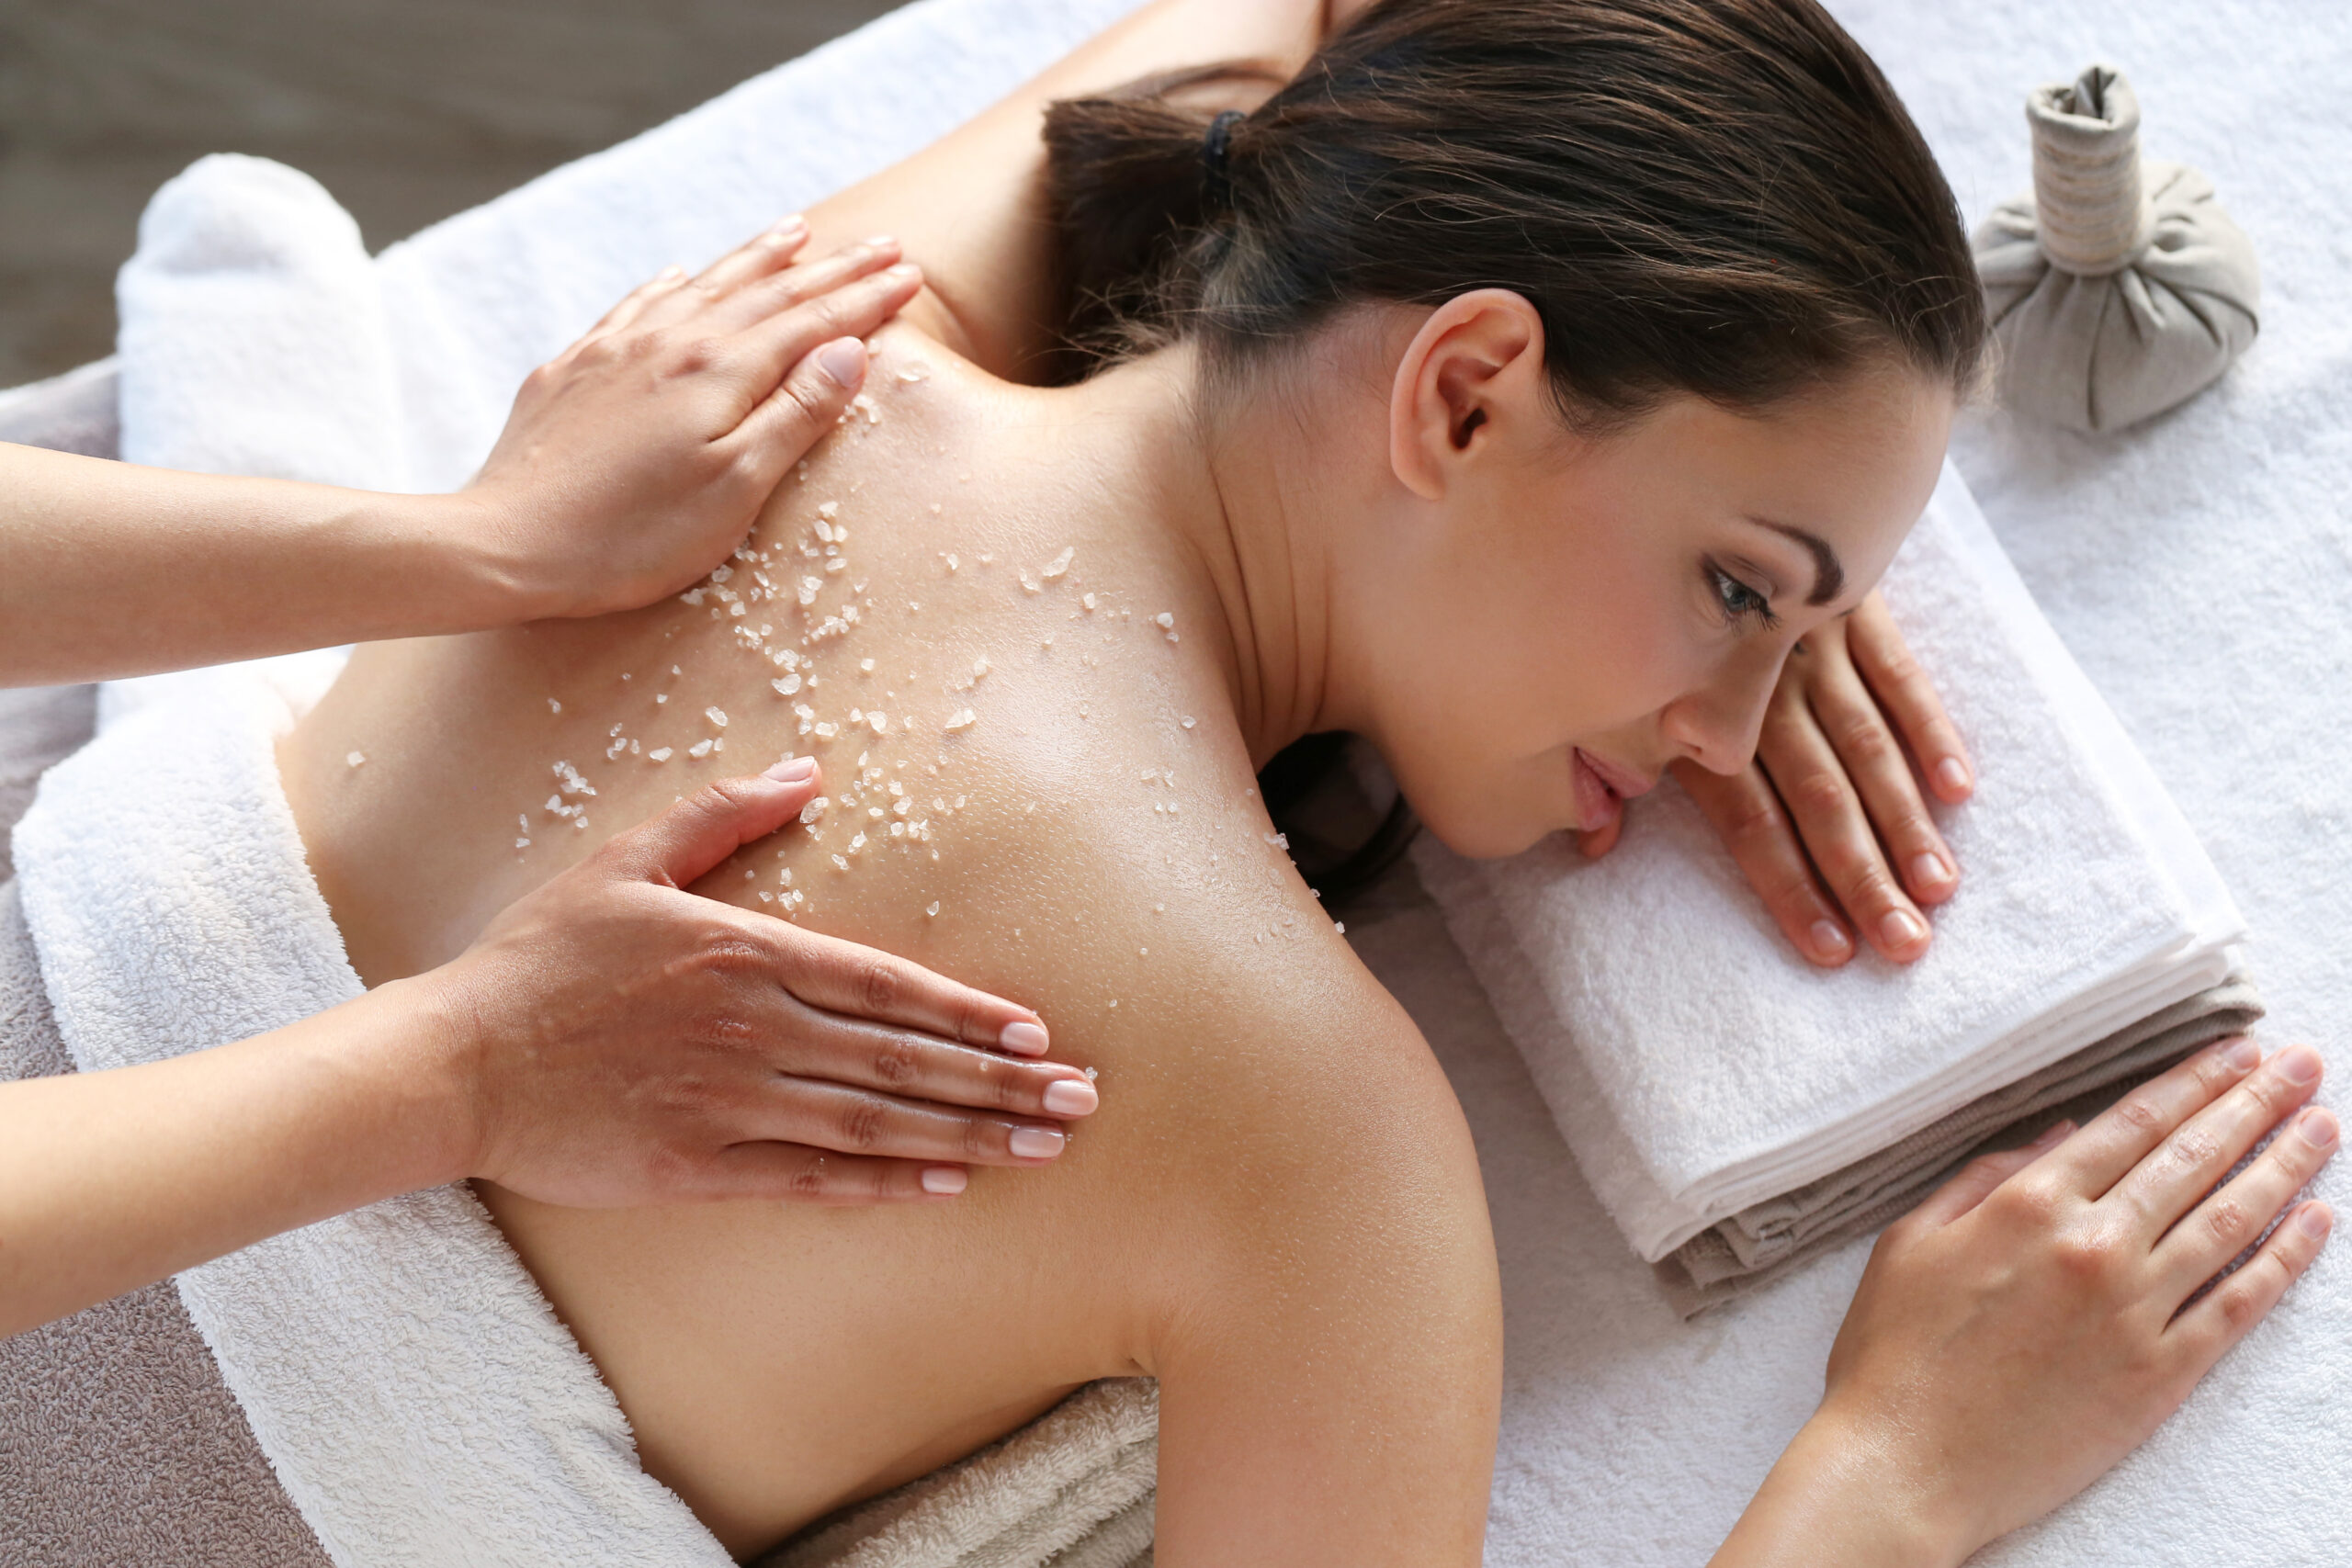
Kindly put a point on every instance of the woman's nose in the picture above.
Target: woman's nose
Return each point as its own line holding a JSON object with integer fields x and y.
{"x": 1716, "y": 726}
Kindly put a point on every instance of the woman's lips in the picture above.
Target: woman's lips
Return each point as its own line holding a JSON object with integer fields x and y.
{"x": 1602, "y": 787}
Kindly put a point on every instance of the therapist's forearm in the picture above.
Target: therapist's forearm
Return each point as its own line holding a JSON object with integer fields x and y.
{"x": 110, "y": 569}
{"x": 111, "y": 1180}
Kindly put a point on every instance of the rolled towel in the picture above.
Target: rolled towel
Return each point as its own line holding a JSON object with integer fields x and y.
{"x": 1718, "y": 1089}
{"x": 2115, "y": 291}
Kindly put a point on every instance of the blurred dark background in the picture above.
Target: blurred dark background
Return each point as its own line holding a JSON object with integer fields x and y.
{"x": 408, "y": 110}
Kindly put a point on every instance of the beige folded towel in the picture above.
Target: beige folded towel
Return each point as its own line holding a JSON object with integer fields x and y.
{"x": 1762, "y": 1242}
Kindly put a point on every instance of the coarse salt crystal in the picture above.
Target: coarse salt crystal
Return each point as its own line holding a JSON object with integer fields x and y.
{"x": 716, "y": 717}
{"x": 810, "y": 812}
{"x": 962, "y": 718}
{"x": 931, "y": 909}
{"x": 1059, "y": 564}
{"x": 877, "y": 722}
{"x": 699, "y": 748}
{"x": 785, "y": 685}
{"x": 554, "y": 706}
{"x": 828, "y": 510}
{"x": 659, "y": 754}
{"x": 354, "y": 758}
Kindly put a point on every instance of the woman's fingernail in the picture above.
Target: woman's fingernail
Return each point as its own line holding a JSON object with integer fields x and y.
{"x": 1931, "y": 869}
{"x": 1023, "y": 1039}
{"x": 1900, "y": 928}
{"x": 790, "y": 223}
{"x": 905, "y": 272}
{"x": 2243, "y": 1054}
{"x": 944, "y": 1181}
{"x": 877, "y": 242}
{"x": 2051, "y": 1135}
{"x": 792, "y": 770}
{"x": 1071, "y": 1097}
{"x": 2318, "y": 1128}
{"x": 1952, "y": 774}
{"x": 844, "y": 359}
{"x": 2315, "y": 1219}
{"x": 2298, "y": 1064}
{"x": 1828, "y": 940}
{"x": 670, "y": 274}
{"x": 1034, "y": 1142}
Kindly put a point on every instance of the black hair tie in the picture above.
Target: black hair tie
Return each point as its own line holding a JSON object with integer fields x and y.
{"x": 1216, "y": 183}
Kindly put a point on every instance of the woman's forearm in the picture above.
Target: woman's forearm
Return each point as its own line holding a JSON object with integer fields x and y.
{"x": 110, "y": 1181}
{"x": 1836, "y": 1499}
{"x": 164, "y": 570}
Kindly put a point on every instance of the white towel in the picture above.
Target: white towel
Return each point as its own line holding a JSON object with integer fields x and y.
{"x": 1698, "y": 1065}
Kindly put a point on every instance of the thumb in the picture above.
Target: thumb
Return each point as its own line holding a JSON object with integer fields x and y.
{"x": 684, "y": 842}
{"x": 1601, "y": 840}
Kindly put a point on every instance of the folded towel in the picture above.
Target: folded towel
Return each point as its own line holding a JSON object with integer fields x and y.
{"x": 1704, "y": 1073}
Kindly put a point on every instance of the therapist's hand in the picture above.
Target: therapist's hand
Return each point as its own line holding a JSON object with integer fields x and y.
{"x": 625, "y": 1042}
{"x": 1831, "y": 822}
{"x": 2038, "y": 1317}
{"x": 634, "y": 461}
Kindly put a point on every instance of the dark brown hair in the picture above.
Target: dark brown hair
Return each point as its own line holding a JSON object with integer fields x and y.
{"x": 1718, "y": 196}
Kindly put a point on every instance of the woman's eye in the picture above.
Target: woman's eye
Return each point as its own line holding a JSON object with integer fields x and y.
{"x": 1739, "y": 602}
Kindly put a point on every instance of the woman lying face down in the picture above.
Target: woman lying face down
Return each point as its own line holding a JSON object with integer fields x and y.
{"x": 1514, "y": 388}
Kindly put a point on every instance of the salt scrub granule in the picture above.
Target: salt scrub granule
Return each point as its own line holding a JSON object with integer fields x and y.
{"x": 962, "y": 718}
{"x": 766, "y": 896}
{"x": 828, "y": 510}
{"x": 1059, "y": 564}
{"x": 659, "y": 754}
{"x": 1188, "y": 721}
{"x": 675, "y": 670}
{"x": 787, "y": 685}
{"x": 877, "y": 722}
{"x": 1340, "y": 927}
{"x": 979, "y": 670}
{"x": 661, "y": 696}
{"x": 866, "y": 665}
{"x": 1163, "y": 620}
{"x": 356, "y": 760}
{"x": 554, "y": 706}
{"x": 1027, "y": 586}
{"x": 699, "y": 748}
{"x": 1089, "y": 601}
{"x": 840, "y": 864}
{"x": 716, "y": 717}
{"x": 522, "y": 843}
{"x": 953, "y": 564}
{"x": 814, "y": 810}
{"x": 931, "y": 910}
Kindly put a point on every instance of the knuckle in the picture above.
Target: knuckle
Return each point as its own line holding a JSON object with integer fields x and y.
{"x": 2240, "y": 1301}
{"x": 2140, "y": 1114}
{"x": 862, "y": 1124}
{"x": 2227, "y": 1222}
{"x": 898, "y": 1061}
{"x": 878, "y": 985}
{"x": 1755, "y": 819}
{"x": 2086, "y": 1253}
{"x": 2029, "y": 1205}
{"x": 702, "y": 352}
{"x": 1863, "y": 739}
{"x": 1818, "y": 792}
{"x": 809, "y": 1178}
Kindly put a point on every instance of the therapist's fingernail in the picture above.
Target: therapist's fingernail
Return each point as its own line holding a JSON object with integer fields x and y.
{"x": 1931, "y": 869}
{"x": 2243, "y": 1054}
{"x": 844, "y": 359}
{"x": 792, "y": 770}
{"x": 1828, "y": 940}
{"x": 1023, "y": 1039}
{"x": 1071, "y": 1097}
{"x": 790, "y": 223}
{"x": 1952, "y": 774}
{"x": 1900, "y": 928}
{"x": 1033, "y": 1142}
{"x": 944, "y": 1181}
{"x": 670, "y": 274}
{"x": 2298, "y": 1064}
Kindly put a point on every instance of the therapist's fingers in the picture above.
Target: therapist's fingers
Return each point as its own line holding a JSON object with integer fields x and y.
{"x": 1749, "y": 816}
{"x": 797, "y": 1173}
{"x": 861, "y": 982}
{"x": 2121, "y": 1136}
{"x": 771, "y": 357}
{"x": 812, "y": 1043}
{"x": 1827, "y": 810}
{"x": 1858, "y": 731}
{"x": 756, "y": 301}
{"x": 682, "y": 844}
{"x": 2245, "y": 1298}
{"x": 1975, "y": 1180}
{"x": 856, "y": 1121}
{"x": 757, "y": 257}
{"x": 2164, "y": 1186}
{"x": 2231, "y": 1220}
{"x": 1902, "y": 688}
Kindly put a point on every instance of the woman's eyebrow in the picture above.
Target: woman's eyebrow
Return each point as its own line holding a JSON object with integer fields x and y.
{"x": 1828, "y": 571}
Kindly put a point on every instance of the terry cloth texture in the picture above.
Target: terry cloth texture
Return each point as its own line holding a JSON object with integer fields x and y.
{"x": 1714, "y": 1083}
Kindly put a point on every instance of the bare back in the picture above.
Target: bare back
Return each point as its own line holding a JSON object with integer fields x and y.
{"x": 1037, "y": 784}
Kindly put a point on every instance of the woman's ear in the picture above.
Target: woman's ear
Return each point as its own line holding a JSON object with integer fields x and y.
{"x": 1476, "y": 366}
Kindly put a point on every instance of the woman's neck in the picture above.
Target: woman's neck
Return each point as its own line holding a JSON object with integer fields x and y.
{"x": 1235, "y": 496}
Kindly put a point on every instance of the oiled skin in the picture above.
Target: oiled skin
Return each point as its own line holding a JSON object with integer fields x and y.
{"x": 1276, "y": 1211}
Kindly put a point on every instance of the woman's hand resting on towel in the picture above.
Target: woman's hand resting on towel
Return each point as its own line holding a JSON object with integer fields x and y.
{"x": 611, "y": 1039}
{"x": 1830, "y": 822}
{"x": 2034, "y": 1322}
{"x": 632, "y": 465}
